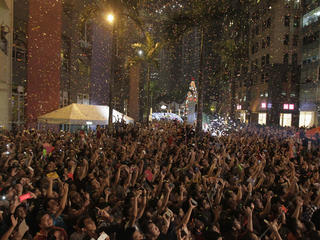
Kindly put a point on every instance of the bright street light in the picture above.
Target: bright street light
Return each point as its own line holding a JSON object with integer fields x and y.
{"x": 110, "y": 18}
{"x": 163, "y": 107}
{"x": 140, "y": 52}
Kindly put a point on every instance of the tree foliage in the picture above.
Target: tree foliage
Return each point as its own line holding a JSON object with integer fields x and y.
{"x": 223, "y": 20}
{"x": 226, "y": 18}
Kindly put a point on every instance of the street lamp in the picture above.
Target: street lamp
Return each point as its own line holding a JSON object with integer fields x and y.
{"x": 140, "y": 53}
{"x": 110, "y": 18}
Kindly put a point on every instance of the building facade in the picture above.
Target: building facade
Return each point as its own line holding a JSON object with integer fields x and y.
{"x": 6, "y": 29}
{"x": 270, "y": 94}
{"x": 19, "y": 62}
{"x": 310, "y": 72}
{"x": 44, "y": 60}
{"x": 70, "y": 72}
{"x": 75, "y": 53}
{"x": 101, "y": 64}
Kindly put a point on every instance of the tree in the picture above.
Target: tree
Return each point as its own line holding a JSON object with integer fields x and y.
{"x": 148, "y": 53}
{"x": 134, "y": 11}
{"x": 196, "y": 14}
{"x": 202, "y": 15}
{"x": 233, "y": 48}
{"x": 124, "y": 11}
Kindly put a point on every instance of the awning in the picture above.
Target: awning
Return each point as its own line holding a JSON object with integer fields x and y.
{"x": 82, "y": 114}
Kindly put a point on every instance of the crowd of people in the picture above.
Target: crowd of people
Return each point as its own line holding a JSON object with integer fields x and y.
{"x": 160, "y": 181}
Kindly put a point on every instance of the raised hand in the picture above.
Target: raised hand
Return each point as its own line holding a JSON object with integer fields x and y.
{"x": 103, "y": 213}
{"x": 166, "y": 219}
{"x": 299, "y": 202}
{"x": 107, "y": 191}
{"x": 272, "y": 225}
{"x": 87, "y": 199}
{"x": 192, "y": 203}
{"x": 169, "y": 187}
{"x": 14, "y": 221}
{"x": 249, "y": 209}
{"x": 183, "y": 188}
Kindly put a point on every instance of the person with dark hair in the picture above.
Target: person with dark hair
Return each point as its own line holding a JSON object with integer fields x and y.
{"x": 55, "y": 208}
{"x": 148, "y": 183}
{"x": 56, "y": 234}
{"x": 88, "y": 227}
{"x": 45, "y": 223}
{"x": 131, "y": 233}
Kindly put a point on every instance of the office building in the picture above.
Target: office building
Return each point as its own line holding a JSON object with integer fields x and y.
{"x": 310, "y": 71}
{"x": 19, "y": 62}
{"x": 6, "y": 29}
{"x": 271, "y": 95}
{"x": 51, "y": 69}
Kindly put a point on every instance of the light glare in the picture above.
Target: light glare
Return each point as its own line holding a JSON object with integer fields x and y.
{"x": 110, "y": 18}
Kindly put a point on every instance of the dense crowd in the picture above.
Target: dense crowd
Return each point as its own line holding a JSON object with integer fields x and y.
{"x": 161, "y": 181}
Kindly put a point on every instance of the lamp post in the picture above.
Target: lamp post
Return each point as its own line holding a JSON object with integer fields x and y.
{"x": 140, "y": 53}
{"x": 110, "y": 18}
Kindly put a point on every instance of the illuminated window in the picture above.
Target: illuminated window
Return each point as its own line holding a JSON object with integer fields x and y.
{"x": 306, "y": 119}
{"x": 285, "y": 106}
{"x": 86, "y": 99}
{"x": 263, "y": 105}
{"x": 262, "y": 118}
{"x": 291, "y": 106}
{"x": 311, "y": 17}
{"x": 243, "y": 117}
{"x": 285, "y": 119}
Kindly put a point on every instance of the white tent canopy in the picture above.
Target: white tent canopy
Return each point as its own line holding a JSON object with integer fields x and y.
{"x": 81, "y": 114}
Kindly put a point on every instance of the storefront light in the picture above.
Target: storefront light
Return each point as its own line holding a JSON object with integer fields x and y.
{"x": 291, "y": 106}
{"x": 263, "y": 105}
{"x": 285, "y": 106}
